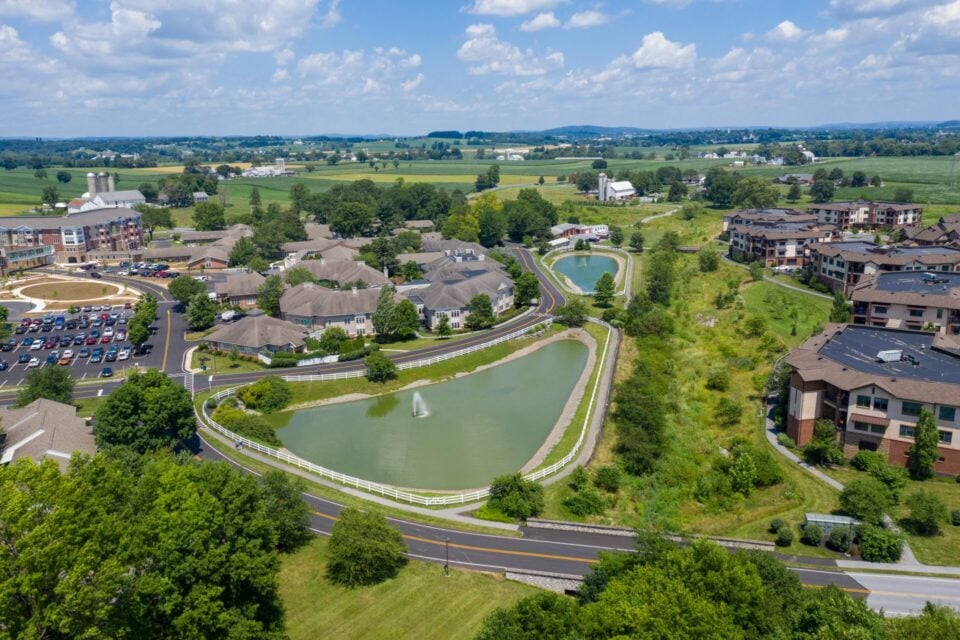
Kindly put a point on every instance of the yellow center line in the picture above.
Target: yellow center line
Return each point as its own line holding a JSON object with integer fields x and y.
{"x": 166, "y": 346}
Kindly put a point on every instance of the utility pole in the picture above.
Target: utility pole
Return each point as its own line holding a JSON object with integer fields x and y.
{"x": 446, "y": 565}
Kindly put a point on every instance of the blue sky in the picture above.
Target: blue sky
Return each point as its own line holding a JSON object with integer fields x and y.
{"x": 195, "y": 67}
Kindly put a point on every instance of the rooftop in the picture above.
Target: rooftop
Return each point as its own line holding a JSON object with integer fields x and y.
{"x": 857, "y": 347}
{"x": 939, "y": 283}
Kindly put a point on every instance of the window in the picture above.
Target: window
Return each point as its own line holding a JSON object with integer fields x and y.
{"x": 907, "y": 432}
{"x": 946, "y": 437}
{"x": 863, "y": 401}
{"x": 861, "y": 426}
{"x": 916, "y": 313}
{"x": 939, "y": 314}
{"x": 866, "y": 445}
{"x": 881, "y": 310}
{"x": 947, "y": 414}
{"x": 911, "y": 408}
{"x": 880, "y": 404}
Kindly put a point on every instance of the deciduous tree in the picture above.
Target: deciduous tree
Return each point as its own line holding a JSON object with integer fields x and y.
{"x": 51, "y": 383}
{"x": 268, "y": 295}
{"x": 924, "y": 451}
{"x": 364, "y": 549}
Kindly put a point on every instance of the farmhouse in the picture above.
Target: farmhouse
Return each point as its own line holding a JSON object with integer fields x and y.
{"x": 872, "y": 383}
{"x": 909, "y": 299}
{"x": 841, "y": 265}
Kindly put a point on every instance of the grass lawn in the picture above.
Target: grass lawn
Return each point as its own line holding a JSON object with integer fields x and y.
{"x": 222, "y": 364}
{"x": 419, "y": 603}
{"x": 73, "y": 290}
{"x": 86, "y": 407}
{"x": 941, "y": 549}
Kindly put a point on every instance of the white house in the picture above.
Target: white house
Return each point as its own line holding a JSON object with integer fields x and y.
{"x": 610, "y": 190}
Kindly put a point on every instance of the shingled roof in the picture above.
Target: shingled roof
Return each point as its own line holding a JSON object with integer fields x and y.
{"x": 258, "y": 332}
{"x": 43, "y": 429}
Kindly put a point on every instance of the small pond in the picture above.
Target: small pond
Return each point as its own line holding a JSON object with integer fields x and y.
{"x": 469, "y": 430}
{"x": 584, "y": 270}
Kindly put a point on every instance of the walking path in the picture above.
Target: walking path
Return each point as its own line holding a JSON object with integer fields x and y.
{"x": 773, "y": 280}
{"x": 658, "y": 216}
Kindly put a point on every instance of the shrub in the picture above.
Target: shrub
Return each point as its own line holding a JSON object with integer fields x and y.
{"x": 516, "y": 497}
{"x": 867, "y": 460}
{"x": 267, "y": 395}
{"x": 718, "y": 379}
{"x": 812, "y": 535}
{"x": 579, "y": 478}
{"x": 607, "y": 478}
{"x": 728, "y": 411}
{"x": 786, "y": 441}
{"x": 776, "y": 524}
{"x": 866, "y": 499}
{"x": 927, "y": 511}
{"x": 586, "y": 502}
{"x": 380, "y": 368}
{"x": 955, "y": 517}
{"x": 364, "y": 549}
{"x": 839, "y": 540}
{"x": 784, "y": 537}
{"x": 893, "y": 477}
{"x": 879, "y": 545}
{"x": 211, "y": 404}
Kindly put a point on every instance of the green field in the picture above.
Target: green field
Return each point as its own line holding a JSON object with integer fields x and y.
{"x": 419, "y": 603}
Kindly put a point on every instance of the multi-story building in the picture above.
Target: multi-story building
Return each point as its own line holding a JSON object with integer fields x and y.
{"x": 909, "y": 299}
{"x": 841, "y": 265}
{"x": 71, "y": 239}
{"x": 872, "y": 384}
{"x": 316, "y": 308}
{"x": 860, "y": 214}
{"x": 777, "y": 243}
{"x": 746, "y": 217}
{"x": 946, "y": 230}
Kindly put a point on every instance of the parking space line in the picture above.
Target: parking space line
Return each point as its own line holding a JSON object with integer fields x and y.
{"x": 21, "y": 381}
{"x": 99, "y": 392}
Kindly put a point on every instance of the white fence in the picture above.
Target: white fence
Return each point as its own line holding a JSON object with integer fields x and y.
{"x": 391, "y": 492}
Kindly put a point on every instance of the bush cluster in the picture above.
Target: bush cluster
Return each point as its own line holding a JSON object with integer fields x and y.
{"x": 267, "y": 395}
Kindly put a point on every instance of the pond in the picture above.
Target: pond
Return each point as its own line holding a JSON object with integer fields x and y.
{"x": 584, "y": 270}
{"x": 469, "y": 430}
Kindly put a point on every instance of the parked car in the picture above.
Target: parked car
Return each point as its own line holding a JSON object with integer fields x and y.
{"x": 106, "y": 372}
{"x": 23, "y": 358}
{"x": 3, "y": 365}
{"x": 87, "y": 308}
{"x": 26, "y": 342}
{"x": 95, "y": 275}
{"x": 127, "y": 305}
{"x": 20, "y": 330}
{"x": 36, "y": 345}
{"x": 97, "y": 355}
{"x": 124, "y": 353}
{"x": 34, "y": 362}
{"x": 105, "y": 340}
{"x": 53, "y": 357}
{"x": 6, "y": 346}
{"x": 121, "y": 336}
{"x": 108, "y": 332}
{"x": 79, "y": 339}
{"x": 84, "y": 352}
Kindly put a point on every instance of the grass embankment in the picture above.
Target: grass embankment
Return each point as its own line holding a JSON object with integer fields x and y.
{"x": 419, "y": 603}
{"x": 940, "y": 549}
{"x": 217, "y": 364}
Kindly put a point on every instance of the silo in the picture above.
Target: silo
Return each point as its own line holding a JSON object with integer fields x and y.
{"x": 112, "y": 186}
{"x": 102, "y": 183}
{"x": 92, "y": 184}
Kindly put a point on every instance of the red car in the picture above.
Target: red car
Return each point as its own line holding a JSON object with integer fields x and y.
{"x": 104, "y": 316}
{"x": 127, "y": 305}
{"x": 25, "y": 322}
{"x": 105, "y": 340}
{"x": 91, "y": 340}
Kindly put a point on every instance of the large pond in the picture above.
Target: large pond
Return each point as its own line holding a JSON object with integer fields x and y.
{"x": 584, "y": 270}
{"x": 476, "y": 427}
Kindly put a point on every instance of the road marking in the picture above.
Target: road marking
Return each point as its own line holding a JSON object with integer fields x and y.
{"x": 21, "y": 381}
{"x": 3, "y": 383}
{"x": 99, "y": 392}
{"x": 166, "y": 346}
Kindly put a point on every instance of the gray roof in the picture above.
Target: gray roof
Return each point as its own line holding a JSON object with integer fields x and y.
{"x": 420, "y": 258}
{"x": 418, "y": 224}
{"x": 44, "y": 429}
{"x": 456, "y": 294}
{"x": 79, "y": 219}
{"x": 310, "y": 300}
{"x": 168, "y": 253}
{"x": 237, "y": 230}
{"x": 343, "y": 271}
{"x": 259, "y": 331}
{"x": 239, "y": 284}
{"x": 315, "y": 230}
{"x": 430, "y": 245}
{"x": 131, "y": 195}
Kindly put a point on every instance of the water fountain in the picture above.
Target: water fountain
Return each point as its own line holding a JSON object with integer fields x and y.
{"x": 420, "y": 409}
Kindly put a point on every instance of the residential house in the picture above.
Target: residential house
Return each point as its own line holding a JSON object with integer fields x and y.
{"x": 343, "y": 273}
{"x": 909, "y": 299}
{"x": 257, "y": 332}
{"x": 860, "y": 214}
{"x": 872, "y": 384}
{"x": 451, "y": 295}
{"x": 316, "y": 308}
{"x": 239, "y": 289}
{"x": 841, "y": 265}
{"x": 43, "y": 429}
{"x": 946, "y": 230}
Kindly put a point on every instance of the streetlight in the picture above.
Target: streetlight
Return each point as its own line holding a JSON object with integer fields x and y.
{"x": 446, "y": 565}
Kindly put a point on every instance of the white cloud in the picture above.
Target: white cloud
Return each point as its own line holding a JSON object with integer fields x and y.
{"x": 676, "y": 4}
{"x": 332, "y": 17}
{"x": 545, "y": 20}
{"x": 39, "y": 10}
{"x": 656, "y": 52}
{"x": 356, "y": 72}
{"x": 486, "y": 54}
{"x": 786, "y": 31}
{"x": 587, "y": 19}
{"x": 874, "y": 7}
{"x": 507, "y": 8}
{"x": 284, "y": 57}
{"x": 412, "y": 84}
{"x": 281, "y": 75}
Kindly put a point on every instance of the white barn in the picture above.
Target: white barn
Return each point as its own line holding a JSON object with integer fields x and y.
{"x": 610, "y": 190}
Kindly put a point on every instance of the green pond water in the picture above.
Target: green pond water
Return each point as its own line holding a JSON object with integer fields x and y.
{"x": 585, "y": 270}
{"x": 476, "y": 427}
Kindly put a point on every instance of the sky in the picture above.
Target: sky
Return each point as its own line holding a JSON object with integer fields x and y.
{"x": 405, "y": 67}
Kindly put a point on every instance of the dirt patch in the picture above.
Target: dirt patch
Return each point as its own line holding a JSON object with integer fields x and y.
{"x": 70, "y": 291}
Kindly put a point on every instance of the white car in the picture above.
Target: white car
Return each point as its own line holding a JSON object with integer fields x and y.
{"x": 201, "y": 278}
{"x": 124, "y": 353}
{"x": 121, "y": 336}
{"x": 34, "y": 362}
{"x": 123, "y": 272}
{"x": 67, "y": 354}
{"x": 37, "y": 345}
{"x": 108, "y": 332}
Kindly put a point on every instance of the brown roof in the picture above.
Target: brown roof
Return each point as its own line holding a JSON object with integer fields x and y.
{"x": 44, "y": 429}
{"x": 940, "y": 295}
{"x": 259, "y": 331}
{"x": 239, "y": 284}
{"x": 343, "y": 271}
{"x": 310, "y": 300}
{"x": 856, "y": 204}
{"x": 774, "y": 232}
{"x": 897, "y": 256}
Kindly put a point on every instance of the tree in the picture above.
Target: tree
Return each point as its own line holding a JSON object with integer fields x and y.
{"x": 201, "y": 312}
{"x": 332, "y": 338}
{"x": 599, "y": 164}
{"x": 243, "y": 252}
{"x": 40, "y": 174}
{"x": 840, "y": 311}
{"x": 255, "y": 201}
{"x": 902, "y": 194}
{"x": 866, "y": 499}
{"x": 50, "y": 383}
{"x": 636, "y": 241}
{"x": 268, "y": 295}
{"x": 927, "y": 512}
{"x": 148, "y": 412}
{"x": 153, "y": 217}
{"x": 616, "y": 236}
{"x": 298, "y": 275}
{"x": 461, "y": 225}
{"x": 540, "y": 181}
{"x": 491, "y": 221}
{"x": 299, "y": 193}
{"x": 364, "y": 549}
{"x": 795, "y": 193}
{"x": 924, "y": 451}
{"x": 879, "y": 545}
{"x": 380, "y": 368}
{"x": 151, "y": 548}
{"x": 49, "y": 196}
{"x": 660, "y": 275}
{"x": 285, "y": 507}
{"x": 544, "y": 615}
{"x": 708, "y": 260}
{"x": 755, "y": 193}
{"x": 572, "y": 314}
{"x": 183, "y": 288}
{"x": 721, "y": 186}
{"x": 410, "y": 270}
{"x": 603, "y": 290}
{"x": 526, "y": 288}
{"x": 823, "y": 449}
{"x": 443, "y": 327}
{"x": 383, "y": 318}
{"x": 138, "y": 332}
{"x": 480, "y": 309}
{"x": 677, "y": 192}
{"x": 516, "y": 497}
{"x": 858, "y": 179}
{"x": 755, "y": 269}
{"x": 209, "y": 216}
{"x": 406, "y": 319}
{"x": 267, "y": 395}
{"x": 64, "y": 176}
{"x": 822, "y": 191}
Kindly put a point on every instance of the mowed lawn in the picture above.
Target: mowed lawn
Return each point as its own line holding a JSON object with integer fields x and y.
{"x": 419, "y": 603}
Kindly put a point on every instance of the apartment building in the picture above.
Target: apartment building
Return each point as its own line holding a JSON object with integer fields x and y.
{"x": 841, "y": 265}
{"x": 909, "y": 300}
{"x": 773, "y": 215}
{"x": 872, "y": 383}
{"x": 777, "y": 244}
{"x": 946, "y": 230}
{"x": 861, "y": 215}
{"x": 27, "y": 241}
